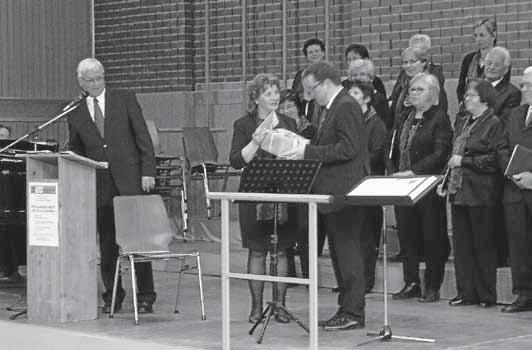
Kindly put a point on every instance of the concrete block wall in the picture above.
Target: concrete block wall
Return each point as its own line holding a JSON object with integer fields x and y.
{"x": 158, "y": 45}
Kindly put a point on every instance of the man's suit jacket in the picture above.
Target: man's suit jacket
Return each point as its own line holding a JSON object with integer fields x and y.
{"x": 508, "y": 97}
{"x": 341, "y": 145}
{"x": 126, "y": 144}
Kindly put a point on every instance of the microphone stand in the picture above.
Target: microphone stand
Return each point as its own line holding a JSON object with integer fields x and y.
{"x": 42, "y": 126}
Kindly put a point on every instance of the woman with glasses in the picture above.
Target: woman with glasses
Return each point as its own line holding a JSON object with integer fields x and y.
{"x": 414, "y": 61}
{"x": 424, "y": 140}
{"x": 480, "y": 148}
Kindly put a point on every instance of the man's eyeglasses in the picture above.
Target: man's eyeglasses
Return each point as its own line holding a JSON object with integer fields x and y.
{"x": 94, "y": 80}
{"x": 411, "y": 62}
{"x": 315, "y": 86}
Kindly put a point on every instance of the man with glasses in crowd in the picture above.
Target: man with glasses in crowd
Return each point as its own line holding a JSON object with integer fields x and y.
{"x": 110, "y": 127}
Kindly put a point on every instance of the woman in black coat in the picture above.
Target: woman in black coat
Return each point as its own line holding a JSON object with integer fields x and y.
{"x": 472, "y": 67}
{"x": 424, "y": 139}
{"x": 256, "y": 219}
{"x": 480, "y": 148}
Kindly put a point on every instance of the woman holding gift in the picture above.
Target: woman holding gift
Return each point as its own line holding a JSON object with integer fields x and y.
{"x": 256, "y": 219}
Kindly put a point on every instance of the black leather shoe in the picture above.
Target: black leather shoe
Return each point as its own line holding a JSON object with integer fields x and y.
{"x": 255, "y": 316}
{"x": 519, "y": 305}
{"x": 459, "y": 301}
{"x": 322, "y": 323}
{"x": 281, "y": 316}
{"x": 107, "y": 308}
{"x": 343, "y": 322}
{"x": 397, "y": 257}
{"x": 411, "y": 290}
{"x": 430, "y": 296}
{"x": 486, "y": 304}
{"x": 145, "y": 308}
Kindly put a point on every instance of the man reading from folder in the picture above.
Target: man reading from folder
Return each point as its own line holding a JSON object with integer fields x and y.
{"x": 110, "y": 127}
{"x": 340, "y": 143}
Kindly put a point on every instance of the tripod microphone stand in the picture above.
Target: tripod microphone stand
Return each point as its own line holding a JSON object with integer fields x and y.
{"x": 275, "y": 304}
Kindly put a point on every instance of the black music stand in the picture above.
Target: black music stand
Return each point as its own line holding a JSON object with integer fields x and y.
{"x": 390, "y": 190}
{"x": 277, "y": 176}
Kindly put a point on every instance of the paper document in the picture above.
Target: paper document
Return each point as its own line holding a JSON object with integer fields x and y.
{"x": 393, "y": 186}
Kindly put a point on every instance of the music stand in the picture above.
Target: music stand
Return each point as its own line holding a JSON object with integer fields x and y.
{"x": 389, "y": 190}
{"x": 277, "y": 176}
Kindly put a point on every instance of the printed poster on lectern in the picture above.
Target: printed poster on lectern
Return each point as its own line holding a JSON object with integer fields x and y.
{"x": 43, "y": 214}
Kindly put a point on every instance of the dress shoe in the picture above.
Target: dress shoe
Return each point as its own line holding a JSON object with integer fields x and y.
{"x": 397, "y": 257}
{"x": 322, "y": 323}
{"x": 255, "y": 316}
{"x": 106, "y": 309}
{"x": 342, "y": 322}
{"x": 430, "y": 296}
{"x": 411, "y": 290}
{"x": 281, "y": 316}
{"x": 145, "y": 307}
{"x": 459, "y": 301}
{"x": 519, "y": 305}
{"x": 486, "y": 304}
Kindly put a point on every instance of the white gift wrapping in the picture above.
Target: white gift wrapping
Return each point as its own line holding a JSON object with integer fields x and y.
{"x": 281, "y": 141}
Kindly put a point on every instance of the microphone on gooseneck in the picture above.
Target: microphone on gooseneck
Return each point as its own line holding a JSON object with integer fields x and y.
{"x": 76, "y": 101}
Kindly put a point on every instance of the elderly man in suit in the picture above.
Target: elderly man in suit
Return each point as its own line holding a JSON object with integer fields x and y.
{"x": 496, "y": 67}
{"x": 517, "y": 202}
{"x": 110, "y": 127}
{"x": 340, "y": 143}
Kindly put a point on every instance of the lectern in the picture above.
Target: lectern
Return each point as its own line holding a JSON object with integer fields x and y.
{"x": 61, "y": 214}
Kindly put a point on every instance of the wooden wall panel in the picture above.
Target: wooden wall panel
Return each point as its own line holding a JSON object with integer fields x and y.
{"x": 41, "y": 42}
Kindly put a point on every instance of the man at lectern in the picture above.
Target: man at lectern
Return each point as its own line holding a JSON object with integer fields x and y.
{"x": 109, "y": 126}
{"x": 340, "y": 143}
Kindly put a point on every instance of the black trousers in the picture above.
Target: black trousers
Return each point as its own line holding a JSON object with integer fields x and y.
{"x": 519, "y": 228}
{"x": 345, "y": 232}
{"x": 423, "y": 227}
{"x": 109, "y": 249}
{"x": 372, "y": 240}
{"x": 475, "y": 252}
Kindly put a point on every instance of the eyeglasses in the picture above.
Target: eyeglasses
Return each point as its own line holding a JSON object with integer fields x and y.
{"x": 98, "y": 79}
{"x": 315, "y": 86}
{"x": 470, "y": 95}
{"x": 416, "y": 90}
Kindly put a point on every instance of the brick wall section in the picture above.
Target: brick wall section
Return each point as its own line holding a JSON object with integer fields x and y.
{"x": 158, "y": 45}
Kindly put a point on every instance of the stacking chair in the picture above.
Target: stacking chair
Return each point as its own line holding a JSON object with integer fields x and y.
{"x": 143, "y": 232}
{"x": 202, "y": 157}
{"x": 170, "y": 175}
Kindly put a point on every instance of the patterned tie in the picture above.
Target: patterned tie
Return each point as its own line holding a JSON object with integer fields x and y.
{"x": 323, "y": 115}
{"x": 98, "y": 116}
{"x": 528, "y": 120}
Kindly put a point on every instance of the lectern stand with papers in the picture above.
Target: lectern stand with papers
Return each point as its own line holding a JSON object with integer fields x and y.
{"x": 390, "y": 190}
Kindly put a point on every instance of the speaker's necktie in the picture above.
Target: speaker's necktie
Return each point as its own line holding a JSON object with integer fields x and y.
{"x": 98, "y": 117}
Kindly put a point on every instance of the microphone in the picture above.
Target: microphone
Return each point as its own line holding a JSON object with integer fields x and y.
{"x": 76, "y": 101}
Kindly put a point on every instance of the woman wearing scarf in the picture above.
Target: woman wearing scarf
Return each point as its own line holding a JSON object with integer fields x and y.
{"x": 424, "y": 144}
{"x": 472, "y": 67}
{"x": 480, "y": 148}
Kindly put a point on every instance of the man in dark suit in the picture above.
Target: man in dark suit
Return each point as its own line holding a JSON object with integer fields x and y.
{"x": 496, "y": 67}
{"x": 340, "y": 143}
{"x": 517, "y": 202}
{"x": 109, "y": 126}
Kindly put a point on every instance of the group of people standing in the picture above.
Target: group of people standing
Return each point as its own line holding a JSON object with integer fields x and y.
{"x": 356, "y": 130}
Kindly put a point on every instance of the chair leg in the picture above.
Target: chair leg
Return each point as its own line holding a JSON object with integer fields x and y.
{"x": 134, "y": 287}
{"x": 182, "y": 260}
{"x": 206, "y": 188}
{"x": 113, "y": 298}
{"x": 203, "y": 316}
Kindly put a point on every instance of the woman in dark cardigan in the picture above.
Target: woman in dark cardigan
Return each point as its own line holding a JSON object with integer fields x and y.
{"x": 424, "y": 139}
{"x": 472, "y": 67}
{"x": 256, "y": 219}
{"x": 480, "y": 148}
